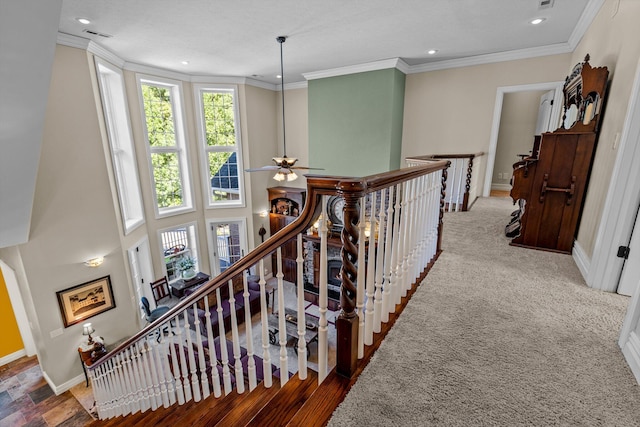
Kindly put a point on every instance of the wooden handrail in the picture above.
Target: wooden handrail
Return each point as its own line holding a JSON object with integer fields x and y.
{"x": 414, "y": 202}
{"x": 446, "y": 156}
{"x": 317, "y": 186}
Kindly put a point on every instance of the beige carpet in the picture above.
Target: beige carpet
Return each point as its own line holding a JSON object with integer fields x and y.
{"x": 498, "y": 335}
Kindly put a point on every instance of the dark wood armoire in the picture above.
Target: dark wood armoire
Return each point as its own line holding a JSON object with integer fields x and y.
{"x": 286, "y": 203}
{"x": 550, "y": 185}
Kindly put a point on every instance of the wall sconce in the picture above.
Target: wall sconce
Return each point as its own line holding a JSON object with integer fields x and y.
{"x": 87, "y": 329}
{"x": 94, "y": 262}
{"x": 263, "y": 213}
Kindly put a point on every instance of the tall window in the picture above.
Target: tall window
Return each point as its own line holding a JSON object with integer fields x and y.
{"x": 220, "y": 145}
{"x": 123, "y": 157}
{"x": 167, "y": 153}
{"x": 178, "y": 243}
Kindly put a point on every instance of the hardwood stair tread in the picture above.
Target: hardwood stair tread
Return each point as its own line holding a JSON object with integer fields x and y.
{"x": 250, "y": 404}
{"x": 286, "y": 402}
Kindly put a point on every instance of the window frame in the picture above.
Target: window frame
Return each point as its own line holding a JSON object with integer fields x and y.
{"x": 203, "y": 149}
{"x": 192, "y": 247}
{"x": 181, "y": 147}
{"x": 124, "y": 162}
{"x": 212, "y": 243}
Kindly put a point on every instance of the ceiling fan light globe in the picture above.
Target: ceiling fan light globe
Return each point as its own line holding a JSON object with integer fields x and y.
{"x": 279, "y": 176}
{"x": 292, "y": 176}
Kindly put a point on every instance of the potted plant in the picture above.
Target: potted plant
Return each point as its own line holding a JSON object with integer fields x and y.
{"x": 187, "y": 267}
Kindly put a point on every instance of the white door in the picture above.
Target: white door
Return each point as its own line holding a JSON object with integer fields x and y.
{"x": 141, "y": 273}
{"x": 630, "y": 336}
{"x": 543, "y": 124}
{"x": 227, "y": 243}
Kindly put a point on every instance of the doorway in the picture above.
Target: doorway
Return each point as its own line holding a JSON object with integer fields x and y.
{"x": 497, "y": 114}
{"x": 227, "y": 243}
{"x": 141, "y": 274}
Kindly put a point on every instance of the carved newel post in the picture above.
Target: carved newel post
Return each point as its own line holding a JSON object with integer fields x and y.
{"x": 347, "y": 322}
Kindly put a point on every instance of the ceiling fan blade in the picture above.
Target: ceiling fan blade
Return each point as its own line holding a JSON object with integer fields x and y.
{"x": 306, "y": 167}
{"x": 263, "y": 168}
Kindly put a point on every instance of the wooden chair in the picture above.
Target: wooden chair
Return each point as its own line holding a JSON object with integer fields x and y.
{"x": 160, "y": 289}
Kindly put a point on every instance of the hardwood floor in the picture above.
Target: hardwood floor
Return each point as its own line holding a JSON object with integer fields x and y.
{"x": 27, "y": 400}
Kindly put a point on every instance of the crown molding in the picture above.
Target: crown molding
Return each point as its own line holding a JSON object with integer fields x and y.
{"x": 588, "y": 15}
{"x": 360, "y": 68}
{"x": 65, "y": 39}
{"x": 490, "y": 58}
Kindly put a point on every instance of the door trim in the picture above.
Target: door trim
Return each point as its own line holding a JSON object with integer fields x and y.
{"x": 621, "y": 202}
{"x": 497, "y": 114}
{"x": 213, "y": 248}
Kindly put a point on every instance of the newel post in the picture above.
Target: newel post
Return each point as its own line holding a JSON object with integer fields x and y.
{"x": 347, "y": 322}
{"x": 467, "y": 186}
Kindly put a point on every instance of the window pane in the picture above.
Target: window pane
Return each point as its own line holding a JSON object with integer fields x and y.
{"x": 158, "y": 113}
{"x": 166, "y": 175}
{"x": 177, "y": 243}
{"x": 223, "y": 168}
{"x": 228, "y": 243}
{"x": 219, "y": 119}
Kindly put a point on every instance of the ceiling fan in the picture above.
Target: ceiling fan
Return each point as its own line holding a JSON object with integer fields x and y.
{"x": 283, "y": 165}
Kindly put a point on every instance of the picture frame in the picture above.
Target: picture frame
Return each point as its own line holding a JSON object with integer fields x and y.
{"x": 81, "y": 302}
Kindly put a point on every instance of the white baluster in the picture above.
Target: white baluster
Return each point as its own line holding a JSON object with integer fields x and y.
{"x": 213, "y": 357}
{"x": 239, "y": 374}
{"x": 175, "y": 363}
{"x": 371, "y": 268}
{"x": 140, "y": 398}
{"x": 226, "y": 373}
{"x": 284, "y": 367}
{"x": 323, "y": 297}
{"x": 184, "y": 369}
{"x": 164, "y": 354}
{"x": 396, "y": 256}
{"x": 387, "y": 304}
{"x": 266, "y": 355}
{"x": 460, "y": 188}
{"x": 204, "y": 378}
{"x": 158, "y": 374}
{"x": 382, "y": 228}
{"x": 251, "y": 363}
{"x": 143, "y": 369}
{"x": 146, "y": 365}
{"x": 302, "y": 324}
{"x": 193, "y": 369}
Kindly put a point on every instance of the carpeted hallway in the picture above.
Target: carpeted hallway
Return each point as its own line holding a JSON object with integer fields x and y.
{"x": 498, "y": 335}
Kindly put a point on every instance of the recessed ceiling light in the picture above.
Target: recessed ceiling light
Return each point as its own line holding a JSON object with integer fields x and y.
{"x": 537, "y": 21}
{"x": 432, "y": 51}
{"x": 184, "y": 62}
{"x": 84, "y": 21}
{"x": 278, "y": 76}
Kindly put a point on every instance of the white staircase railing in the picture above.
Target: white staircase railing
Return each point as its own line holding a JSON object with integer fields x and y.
{"x": 224, "y": 337}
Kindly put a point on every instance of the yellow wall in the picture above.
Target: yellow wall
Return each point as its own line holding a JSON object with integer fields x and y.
{"x": 11, "y": 340}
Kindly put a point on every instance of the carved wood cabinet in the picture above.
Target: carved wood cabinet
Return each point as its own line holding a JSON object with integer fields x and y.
{"x": 286, "y": 203}
{"x": 551, "y": 184}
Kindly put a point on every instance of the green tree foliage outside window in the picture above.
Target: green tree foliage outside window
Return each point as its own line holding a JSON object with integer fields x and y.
{"x": 158, "y": 111}
{"x": 220, "y": 132}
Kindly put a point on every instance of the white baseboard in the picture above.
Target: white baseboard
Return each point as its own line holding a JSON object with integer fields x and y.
{"x": 581, "y": 259}
{"x": 501, "y": 187}
{"x": 59, "y": 389}
{"x": 13, "y": 356}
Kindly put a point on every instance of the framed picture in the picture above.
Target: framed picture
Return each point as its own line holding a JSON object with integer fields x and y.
{"x": 83, "y": 301}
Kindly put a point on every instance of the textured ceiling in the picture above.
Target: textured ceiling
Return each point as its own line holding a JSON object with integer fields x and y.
{"x": 237, "y": 38}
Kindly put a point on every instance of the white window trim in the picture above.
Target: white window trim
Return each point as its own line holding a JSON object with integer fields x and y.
{"x": 181, "y": 142}
{"x": 202, "y": 145}
{"x": 194, "y": 249}
{"x": 213, "y": 247}
{"x": 128, "y": 190}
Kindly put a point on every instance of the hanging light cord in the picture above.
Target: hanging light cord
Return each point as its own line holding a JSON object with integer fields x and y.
{"x": 281, "y": 39}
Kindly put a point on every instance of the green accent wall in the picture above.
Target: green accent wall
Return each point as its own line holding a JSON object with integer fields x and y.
{"x": 355, "y": 122}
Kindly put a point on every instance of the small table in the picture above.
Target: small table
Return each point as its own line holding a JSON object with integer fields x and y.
{"x": 178, "y": 287}
{"x": 291, "y": 327}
